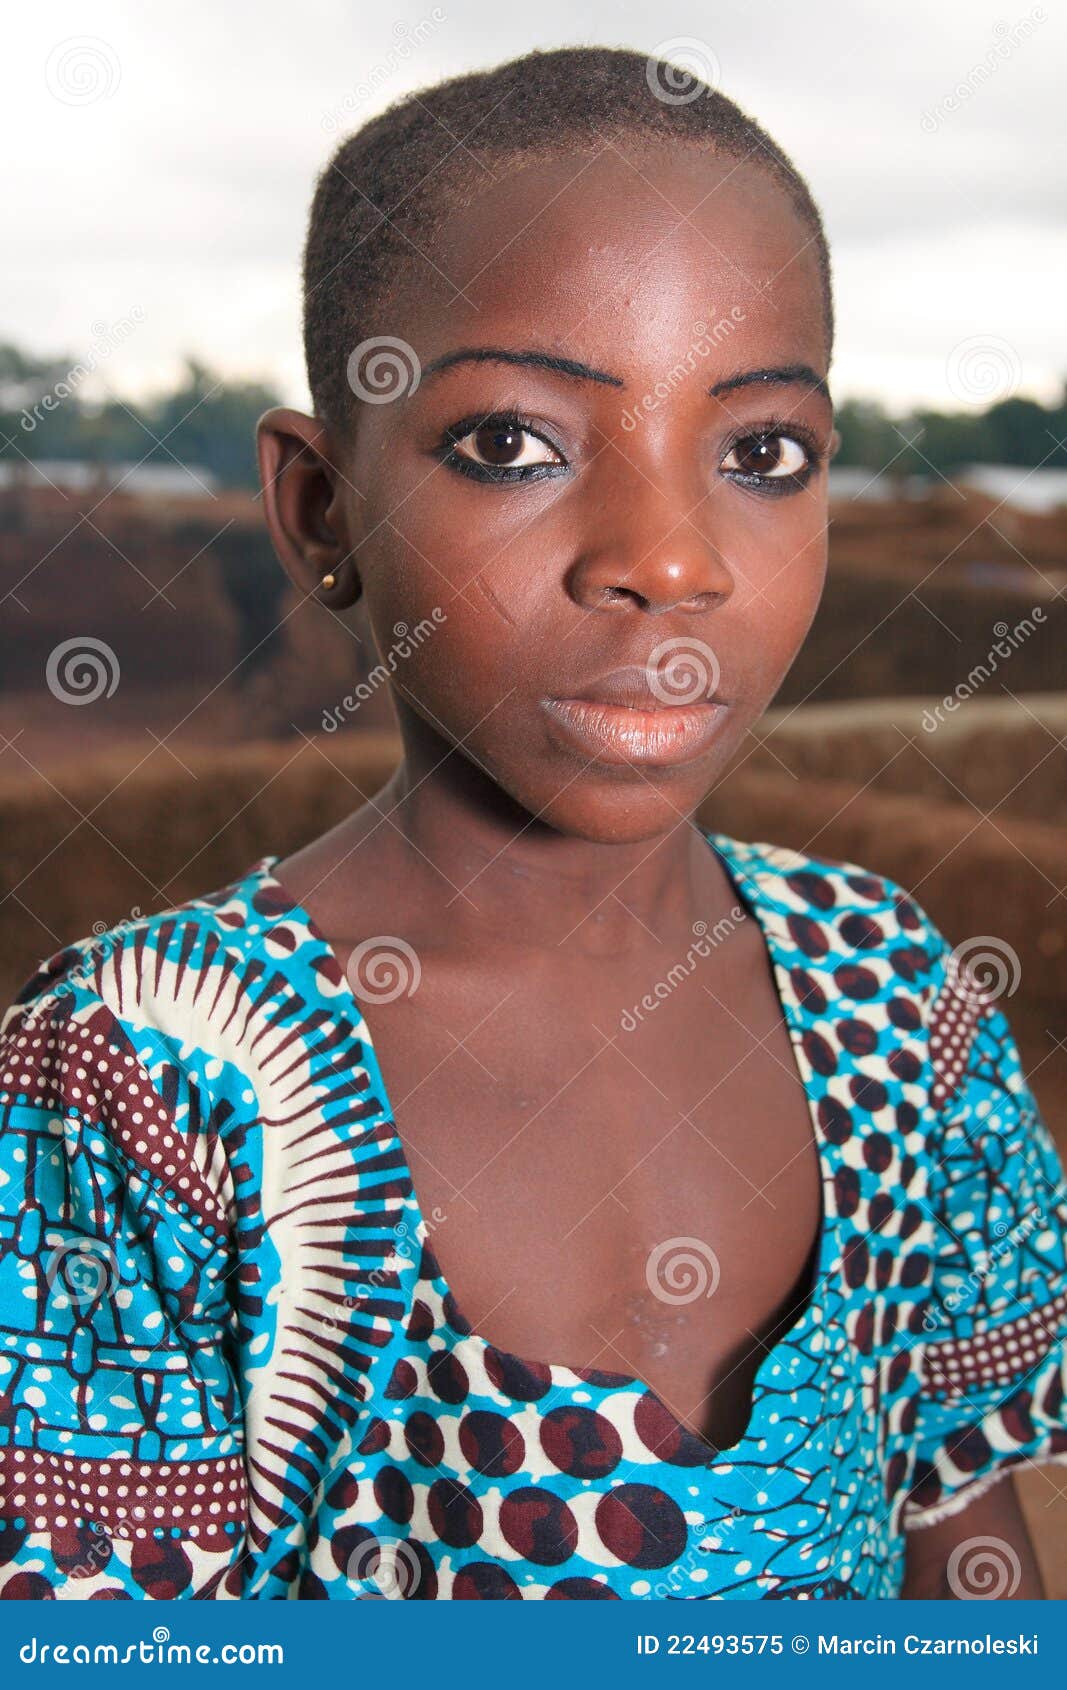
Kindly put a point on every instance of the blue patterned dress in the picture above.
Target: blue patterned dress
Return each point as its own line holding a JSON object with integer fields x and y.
{"x": 230, "y": 1367}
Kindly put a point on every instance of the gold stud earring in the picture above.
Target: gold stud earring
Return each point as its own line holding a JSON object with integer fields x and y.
{"x": 329, "y": 581}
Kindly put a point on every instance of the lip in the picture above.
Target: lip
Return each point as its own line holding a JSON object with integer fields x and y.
{"x": 649, "y": 689}
{"x": 619, "y": 734}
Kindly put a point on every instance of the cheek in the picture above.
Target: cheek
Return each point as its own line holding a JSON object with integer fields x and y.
{"x": 481, "y": 582}
{"x": 798, "y": 574}
{"x": 444, "y": 538}
{"x": 781, "y": 548}
{"x": 448, "y": 646}
{"x": 778, "y": 583}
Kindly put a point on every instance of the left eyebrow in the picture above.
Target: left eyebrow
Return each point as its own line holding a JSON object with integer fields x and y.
{"x": 540, "y": 360}
{"x": 782, "y": 375}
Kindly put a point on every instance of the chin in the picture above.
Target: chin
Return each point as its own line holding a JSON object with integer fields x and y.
{"x": 621, "y": 812}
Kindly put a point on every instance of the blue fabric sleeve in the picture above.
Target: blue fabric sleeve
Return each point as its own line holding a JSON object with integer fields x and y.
{"x": 994, "y": 1348}
{"x": 121, "y": 1472}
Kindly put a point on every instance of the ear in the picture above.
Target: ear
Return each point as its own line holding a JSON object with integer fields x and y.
{"x": 303, "y": 500}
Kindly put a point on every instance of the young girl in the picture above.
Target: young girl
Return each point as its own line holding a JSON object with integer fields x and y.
{"x": 522, "y": 1192}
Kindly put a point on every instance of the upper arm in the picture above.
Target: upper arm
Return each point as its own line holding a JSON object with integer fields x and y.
{"x": 993, "y": 1352}
{"x": 982, "y": 1552}
{"x": 120, "y": 1427}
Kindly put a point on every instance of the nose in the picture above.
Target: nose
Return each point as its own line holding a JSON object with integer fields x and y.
{"x": 646, "y": 547}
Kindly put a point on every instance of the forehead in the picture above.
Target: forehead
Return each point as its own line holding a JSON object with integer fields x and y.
{"x": 624, "y": 253}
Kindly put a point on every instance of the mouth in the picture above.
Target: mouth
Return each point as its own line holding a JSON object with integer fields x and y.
{"x": 623, "y": 718}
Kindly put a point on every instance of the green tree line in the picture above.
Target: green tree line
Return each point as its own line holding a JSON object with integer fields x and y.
{"x": 1012, "y": 431}
{"x": 203, "y": 420}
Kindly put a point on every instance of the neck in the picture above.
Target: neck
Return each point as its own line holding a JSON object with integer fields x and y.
{"x": 461, "y": 847}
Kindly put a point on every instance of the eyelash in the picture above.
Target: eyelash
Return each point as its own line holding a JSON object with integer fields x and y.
{"x": 496, "y": 473}
{"x": 768, "y": 429}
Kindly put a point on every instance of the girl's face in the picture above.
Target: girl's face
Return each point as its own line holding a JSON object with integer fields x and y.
{"x": 648, "y": 504}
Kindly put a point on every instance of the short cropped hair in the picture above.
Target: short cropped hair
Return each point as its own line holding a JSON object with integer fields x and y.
{"x": 394, "y": 182}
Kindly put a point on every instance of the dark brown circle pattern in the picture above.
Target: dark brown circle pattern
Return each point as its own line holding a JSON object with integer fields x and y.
{"x": 491, "y": 1443}
{"x": 641, "y": 1525}
{"x": 580, "y": 1442}
{"x": 539, "y": 1526}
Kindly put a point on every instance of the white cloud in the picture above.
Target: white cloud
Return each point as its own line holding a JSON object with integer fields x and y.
{"x": 184, "y": 188}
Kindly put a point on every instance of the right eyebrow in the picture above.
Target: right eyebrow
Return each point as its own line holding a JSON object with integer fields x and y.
{"x": 540, "y": 360}
{"x": 782, "y": 375}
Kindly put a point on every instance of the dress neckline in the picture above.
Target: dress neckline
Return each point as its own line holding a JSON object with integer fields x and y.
{"x": 745, "y": 867}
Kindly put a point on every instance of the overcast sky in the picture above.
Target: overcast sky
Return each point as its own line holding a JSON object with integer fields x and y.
{"x": 166, "y": 158}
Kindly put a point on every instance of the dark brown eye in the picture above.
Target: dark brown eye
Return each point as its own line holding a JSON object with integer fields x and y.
{"x": 771, "y": 456}
{"x": 505, "y": 446}
{"x": 498, "y": 445}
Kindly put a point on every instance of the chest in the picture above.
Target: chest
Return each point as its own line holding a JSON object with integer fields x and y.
{"x": 609, "y": 1184}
